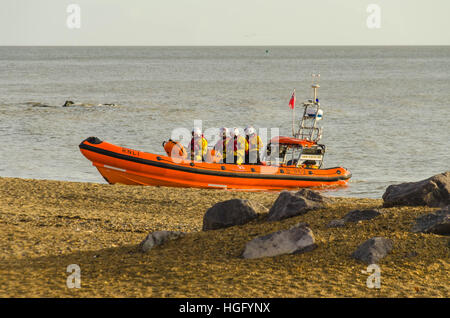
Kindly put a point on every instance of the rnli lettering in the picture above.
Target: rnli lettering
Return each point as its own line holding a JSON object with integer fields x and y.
{"x": 130, "y": 152}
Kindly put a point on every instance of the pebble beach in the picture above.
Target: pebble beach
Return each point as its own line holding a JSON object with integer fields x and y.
{"x": 47, "y": 225}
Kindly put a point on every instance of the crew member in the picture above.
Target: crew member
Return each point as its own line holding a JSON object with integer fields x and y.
{"x": 238, "y": 146}
{"x": 198, "y": 146}
{"x": 221, "y": 146}
{"x": 255, "y": 144}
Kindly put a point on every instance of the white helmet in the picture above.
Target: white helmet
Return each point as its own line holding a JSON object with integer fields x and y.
{"x": 249, "y": 130}
{"x": 223, "y": 131}
{"x": 235, "y": 132}
{"x": 196, "y": 132}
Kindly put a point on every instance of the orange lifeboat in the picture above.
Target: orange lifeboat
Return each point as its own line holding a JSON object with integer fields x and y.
{"x": 127, "y": 166}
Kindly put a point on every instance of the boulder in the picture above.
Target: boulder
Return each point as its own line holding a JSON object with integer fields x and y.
{"x": 437, "y": 222}
{"x": 297, "y": 239}
{"x": 313, "y": 196}
{"x": 228, "y": 213}
{"x": 289, "y": 204}
{"x": 373, "y": 250}
{"x": 159, "y": 238}
{"x": 336, "y": 223}
{"x": 360, "y": 215}
{"x": 354, "y": 216}
{"x": 433, "y": 192}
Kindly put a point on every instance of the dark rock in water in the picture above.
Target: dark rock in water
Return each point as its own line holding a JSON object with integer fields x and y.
{"x": 159, "y": 238}
{"x": 298, "y": 239}
{"x": 289, "y": 204}
{"x": 433, "y": 192}
{"x": 68, "y": 103}
{"x": 336, "y": 223}
{"x": 437, "y": 222}
{"x": 373, "y": 250}
{"x": 360, "y": 215}
{"x": 33, "y": 104}
{"x": 228, "y": 213}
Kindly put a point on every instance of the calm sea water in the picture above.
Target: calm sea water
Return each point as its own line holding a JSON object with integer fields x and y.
{"x": 386, "y": 109}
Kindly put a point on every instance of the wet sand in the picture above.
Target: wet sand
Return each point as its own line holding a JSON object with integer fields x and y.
{"x": 47, "y": 225}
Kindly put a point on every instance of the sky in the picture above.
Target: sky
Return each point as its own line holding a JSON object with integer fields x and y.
{"x": 225, "y": 22}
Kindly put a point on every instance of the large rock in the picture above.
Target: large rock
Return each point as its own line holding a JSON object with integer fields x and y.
{"x": 437, "y": 222}
{"x": 289, "y": 204}
{"x": 298, "y": 239}
{"x": 354, "y": 216}
{"x": 373, "y": 250}
{"x": 228, "y": 213}
{"x": 360, "y": 215}
{"x": 432, "y": 192}
{"x": 159, "y": 238}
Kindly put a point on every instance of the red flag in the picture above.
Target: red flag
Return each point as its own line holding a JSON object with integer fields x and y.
{"x": 292, "y": 101}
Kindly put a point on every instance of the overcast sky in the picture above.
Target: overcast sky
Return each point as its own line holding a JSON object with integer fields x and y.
{"x": 225, "y": 22}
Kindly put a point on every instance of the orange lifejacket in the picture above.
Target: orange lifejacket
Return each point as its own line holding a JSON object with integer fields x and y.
{"x": 174, "y": 149}
{"x": 213, "y": 156}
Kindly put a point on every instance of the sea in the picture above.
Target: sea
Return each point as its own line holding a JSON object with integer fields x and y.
{"x": 386, "y": 109}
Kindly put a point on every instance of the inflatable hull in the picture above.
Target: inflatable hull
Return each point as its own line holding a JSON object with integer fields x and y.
{"x": 127, "y": 166}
